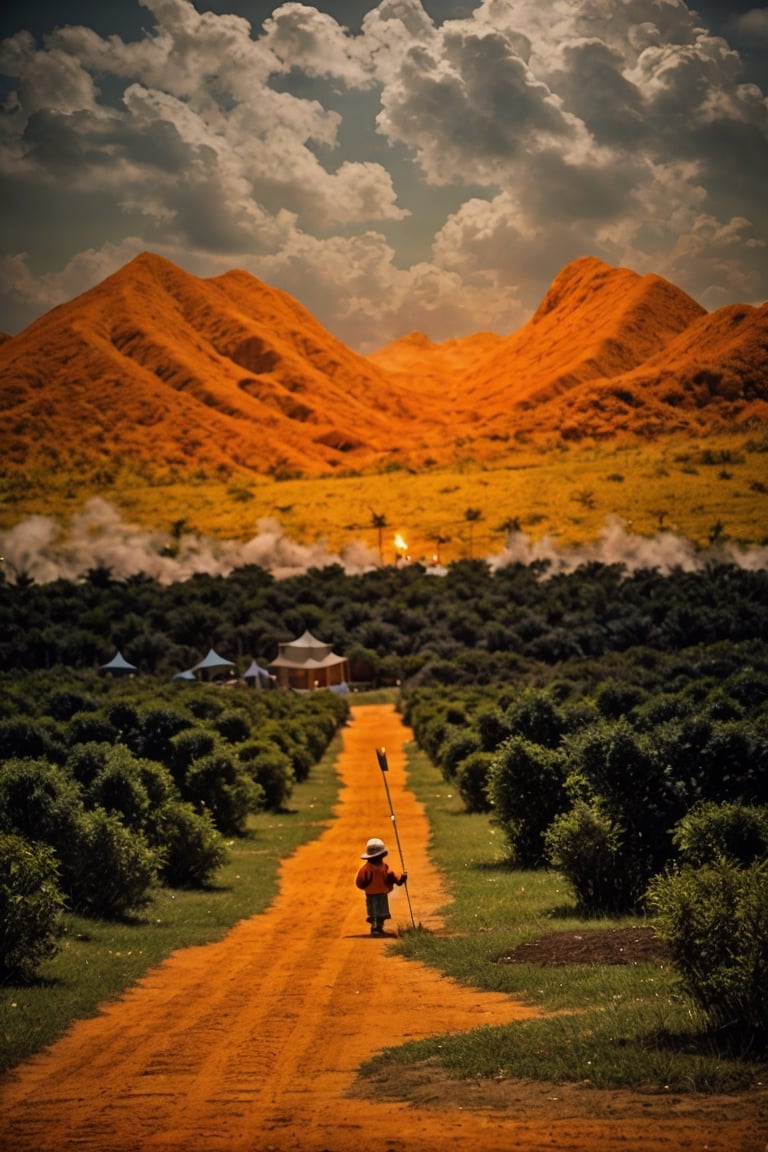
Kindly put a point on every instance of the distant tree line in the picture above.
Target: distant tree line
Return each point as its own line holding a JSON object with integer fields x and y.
{"x": 471, "y": 626}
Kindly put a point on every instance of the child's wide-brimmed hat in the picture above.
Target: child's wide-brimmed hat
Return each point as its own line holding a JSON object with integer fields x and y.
{"x": 373, "y": 848}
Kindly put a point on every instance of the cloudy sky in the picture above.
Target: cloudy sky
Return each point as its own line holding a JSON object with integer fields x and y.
{"x": 394, "y": 166}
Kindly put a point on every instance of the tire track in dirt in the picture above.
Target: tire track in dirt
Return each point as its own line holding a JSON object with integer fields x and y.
{"x": 251, "y": 1044}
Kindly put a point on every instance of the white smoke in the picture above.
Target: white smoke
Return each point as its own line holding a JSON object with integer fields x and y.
{"x": 98, "y": 537}
{"x": 665, "y": 552}
{"x": 41, "y": 549}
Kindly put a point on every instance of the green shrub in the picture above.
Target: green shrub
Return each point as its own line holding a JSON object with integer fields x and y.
{"x": 86, "y": 727}
{"x": 192, "y": 849}
{"x": 218, "y": 785}
{"x": 715, "y": 919}
{"x": 118, "y": 788}
{"x": 31, "y": 903}
{"x": 155, "y": 735}
{"x": 124, "y": 718}
{"x": 157, "y": 781}
{"x": 429, "y": 730}
{"x": 585, "y": 845}
{"x": 190, "y": 745}
{"x": 493, "y": 728}
{"x": 232, "y": 726}
{"x": 39, "y": 801}
{"x": 525, "y": 787}
{"x": 291, "y": 739}
{"x": 472, "y": 781}
{"x": 64, "y": 704}
{"x": 615, "y": 699}
{"x": 535, "y": 715}
{"x": 85, "y": 761}
{"x": 24, "y": 738}
{"x": 270, "y": 769}
{"x": 110, "y": 870}
{"x": 618, "y": 769}
{"x": 128, "y": 785}
{"x": 205, "y": 706}
{"x": 458, "y": 744}
{"x": 712, "y": 831}
{"x": 317, "y": 735}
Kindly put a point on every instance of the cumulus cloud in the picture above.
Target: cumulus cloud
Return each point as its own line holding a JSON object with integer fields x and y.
{"x": 627, "y": 131}
{"x": 473, "y": 110}
{"x": 302, "y": 37}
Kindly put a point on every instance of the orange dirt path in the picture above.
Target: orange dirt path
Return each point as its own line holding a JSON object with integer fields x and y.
{"x": 252, "y": 1044}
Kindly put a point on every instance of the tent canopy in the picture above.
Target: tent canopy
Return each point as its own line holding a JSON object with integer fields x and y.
{"x": 212, "y": 660}
{"x": 118, "y": 663}
{"x": 307, "y": 663}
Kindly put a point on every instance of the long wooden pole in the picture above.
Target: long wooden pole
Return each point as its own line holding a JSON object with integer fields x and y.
{"x": 381, "y": 756}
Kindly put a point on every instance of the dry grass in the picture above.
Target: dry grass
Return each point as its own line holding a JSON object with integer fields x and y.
{"x": 694, "y": 488}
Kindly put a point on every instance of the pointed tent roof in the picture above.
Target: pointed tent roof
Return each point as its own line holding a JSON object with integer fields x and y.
{"x": 254, "y": 670}
{"x": 118, "y": 663}
{"x": 212, "y": 660}
{"x": 306, "y": 649}
{"x": 188, "y": 675}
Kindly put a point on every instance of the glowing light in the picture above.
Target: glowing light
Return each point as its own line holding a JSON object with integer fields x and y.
{"x": 400, "y": 544}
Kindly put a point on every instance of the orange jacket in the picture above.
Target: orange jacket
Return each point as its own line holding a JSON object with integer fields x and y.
{"x": 377, "y": 879}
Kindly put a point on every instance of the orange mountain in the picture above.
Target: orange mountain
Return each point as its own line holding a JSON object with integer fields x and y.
{"x": 176, "y": 372}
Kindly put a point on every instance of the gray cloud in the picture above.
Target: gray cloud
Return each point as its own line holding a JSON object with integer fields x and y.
{"x": 593, "y": 85}
{"x": 300, "y": 149}
{"x": 472, "y": 111}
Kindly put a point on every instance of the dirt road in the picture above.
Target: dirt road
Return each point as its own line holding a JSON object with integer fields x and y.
{"x": 251, "y": 1044}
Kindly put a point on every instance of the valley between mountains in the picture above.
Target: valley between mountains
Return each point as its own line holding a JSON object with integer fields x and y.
{"x": 174, "y": 395}
{"x": 188, "y": 372}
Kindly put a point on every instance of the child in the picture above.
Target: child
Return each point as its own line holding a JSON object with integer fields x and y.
{"x": 377, "y": 880}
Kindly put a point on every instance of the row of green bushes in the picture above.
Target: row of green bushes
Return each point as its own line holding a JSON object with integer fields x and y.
{"x": 636, "y": 743}
{"x": 646, "y": 786}
{"x": 105, "y": 792}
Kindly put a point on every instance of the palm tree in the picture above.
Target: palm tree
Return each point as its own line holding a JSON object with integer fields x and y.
{"x": 379, "y": 522}
{"x": 438, "y": 539}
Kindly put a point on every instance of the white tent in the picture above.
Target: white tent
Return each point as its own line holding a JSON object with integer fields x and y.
{"x": 261, "y": 677}
{"x": 212, "y": 663}
{"x": 119, "y": 665}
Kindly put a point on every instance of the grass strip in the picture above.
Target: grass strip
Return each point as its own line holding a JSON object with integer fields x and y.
{"x": 606, "y": 1025}
{"x": 99, "y": 959}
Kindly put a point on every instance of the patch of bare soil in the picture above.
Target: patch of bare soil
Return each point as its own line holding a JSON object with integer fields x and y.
{"x": 633, "y": 945}
{"x": 252, "y": 1044}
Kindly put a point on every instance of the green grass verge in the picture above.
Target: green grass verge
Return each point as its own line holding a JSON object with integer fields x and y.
{"x": 606, "y": 1025}
{"x": 100, "y": 959}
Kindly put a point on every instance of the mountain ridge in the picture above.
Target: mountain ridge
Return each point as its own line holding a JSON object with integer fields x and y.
{"x": 227, "y": 373}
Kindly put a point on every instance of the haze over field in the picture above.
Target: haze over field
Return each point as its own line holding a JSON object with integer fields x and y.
{"x": 42, "y": 549}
